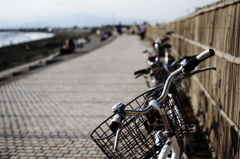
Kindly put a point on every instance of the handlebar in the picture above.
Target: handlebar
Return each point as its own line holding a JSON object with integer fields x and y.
{"x": 147, "y": 70}
{"x": 187, "y": 64}
{"x": 158, "y": 40}
{"x": 193, "y": 61}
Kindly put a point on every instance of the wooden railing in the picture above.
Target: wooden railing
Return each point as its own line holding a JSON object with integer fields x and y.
{"x": 215, "y": 96}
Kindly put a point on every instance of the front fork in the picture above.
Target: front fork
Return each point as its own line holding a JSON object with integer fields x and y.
{"x": 171, "y": 144}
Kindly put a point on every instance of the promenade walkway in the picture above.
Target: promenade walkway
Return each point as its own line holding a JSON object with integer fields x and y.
{"x": 51, "y": 112}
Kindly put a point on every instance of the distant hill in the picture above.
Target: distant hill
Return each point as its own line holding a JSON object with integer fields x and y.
{"x": 80, "y": 20}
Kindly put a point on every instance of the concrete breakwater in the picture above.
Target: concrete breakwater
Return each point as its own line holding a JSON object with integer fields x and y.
{"x": 15, "y": 55}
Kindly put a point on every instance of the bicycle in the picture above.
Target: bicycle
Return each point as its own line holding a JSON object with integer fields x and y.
{"x": 153, "y": 124}
{"x": 161, "y": 52}
{"x": 159, "y": 61}
{"x": 157, "y": 74}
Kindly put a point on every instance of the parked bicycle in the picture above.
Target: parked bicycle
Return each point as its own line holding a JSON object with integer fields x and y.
{"x": 160, "y": 52}
{"x": 153, "y": 124}
{"x": 158, "y": 61}
{"x": 158, "y": 74}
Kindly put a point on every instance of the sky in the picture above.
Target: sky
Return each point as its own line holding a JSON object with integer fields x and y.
{"x": 81, "y": 13}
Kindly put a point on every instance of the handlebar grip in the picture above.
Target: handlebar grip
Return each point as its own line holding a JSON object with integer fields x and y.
{"x": 142, "y": 71}
{"x": 205, "y": 54}
{"x": 164, "y": 39}
{"x": 194, "y": 61}
{"x": 115, "y": 122}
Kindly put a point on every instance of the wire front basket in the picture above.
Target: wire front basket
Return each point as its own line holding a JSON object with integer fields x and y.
{"x": 141, "y": 136}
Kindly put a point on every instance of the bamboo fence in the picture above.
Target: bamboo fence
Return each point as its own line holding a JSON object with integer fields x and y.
{"x": 215, "y": 95}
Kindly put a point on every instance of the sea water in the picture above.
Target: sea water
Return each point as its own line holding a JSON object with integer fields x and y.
{"x": 14, "y": 38}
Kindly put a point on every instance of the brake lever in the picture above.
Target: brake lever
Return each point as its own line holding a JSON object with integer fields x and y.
{"x": 190, "y": 74}
{"x": 117, "y": 138}
{"x": 138, "y": 75}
